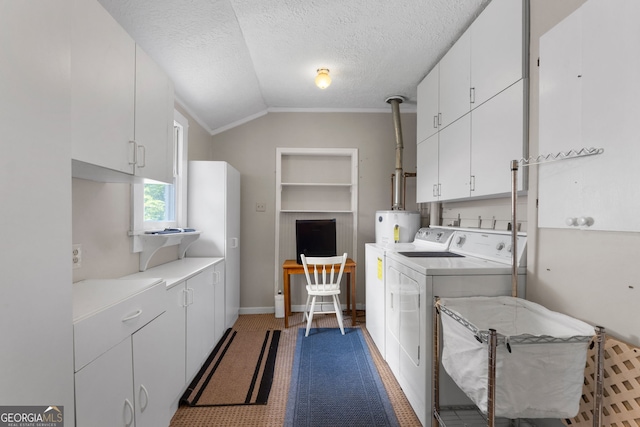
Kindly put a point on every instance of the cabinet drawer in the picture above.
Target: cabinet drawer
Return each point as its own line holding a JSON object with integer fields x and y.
{"x": 118, "y": 308}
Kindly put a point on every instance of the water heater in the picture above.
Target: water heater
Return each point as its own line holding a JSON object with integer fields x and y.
{"x": 396, "y": 226}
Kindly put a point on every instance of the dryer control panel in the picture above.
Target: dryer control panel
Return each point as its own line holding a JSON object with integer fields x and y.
{"x": 492, "y": 246}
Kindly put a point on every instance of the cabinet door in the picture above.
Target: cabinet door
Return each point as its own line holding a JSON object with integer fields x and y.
{"x": 497, "y": 138}
{"x": 600, "y": 89}
{"x": 104, "y": 389}
{"x": 232, "y": 251}
{"x": 102, "y": 88}
{"x": 392, "y": 319}
{"x": 455, "y": 81}
{"x": 153, "y": 120}
{"x": 427, "y": 110}
{"x": 497, "y": 46}
{"x": 413, "y": 373}
{"x": 200, "y": 320}
{"x": 454, "y": 159}
{"x": 427, "y": 170}
{"x": 150, "y": 365}
{"x": 175, "y": 340}
{"x": 219, "y": 301}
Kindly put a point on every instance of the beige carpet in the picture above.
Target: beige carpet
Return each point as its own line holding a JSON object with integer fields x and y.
{"x": 272, "y": 414}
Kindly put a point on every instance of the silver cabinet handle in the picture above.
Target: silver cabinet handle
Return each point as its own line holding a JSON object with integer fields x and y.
{"x": 144, "y": 405}
{"x": 134, "y": 154}
{"x": 132, "y": 316}
{"x": 472, "y": 95}
{"x": 144, "y": 156}
{"x": 129, "y": 405}
{"x": 435, "y": 122}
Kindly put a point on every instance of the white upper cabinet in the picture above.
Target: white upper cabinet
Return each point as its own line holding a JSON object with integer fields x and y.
{"x": 497, "y": 139}
{"x": 427, "y": 187}
{"x": 455, "y": 81}
{"x": 102, "y": 88}
{"x": 480, "y": 86}
{"x": 455, "y": 159}
{"x": 589, "y": 91}
{"x": 497, "y": 47}
{"x": 121, "y": 102}
{"x": 428, "y": 108}
{"x": 153, "y": 120}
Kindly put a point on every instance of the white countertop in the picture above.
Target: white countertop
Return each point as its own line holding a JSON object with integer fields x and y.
{"x": 92, "y": 296}
{"x": 177, "y": 271}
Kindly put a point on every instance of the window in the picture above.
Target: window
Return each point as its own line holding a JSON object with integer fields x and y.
{"x": 156, "y": 205}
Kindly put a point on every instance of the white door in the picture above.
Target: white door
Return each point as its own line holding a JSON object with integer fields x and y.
{"x": 104, "y": 389}
{"x": 455, "y": 159}
{"x": 455, "y": 81}
{"x": 102, "y": 88}
{"x": 219, "y": 301}
{"x": 375, "y": 295}
{"x": 232, "y": 253}
{"x": 150, "y": 366}
{"x": 427, "y": 166}
{"x": 153, "y": 120}
{"x": 200, "y": 320}
{"x": 392, "y": 318}
{"x": 175, "y": 339}
{"x": 428, "y": 105}
{"x": 496, "y": 139}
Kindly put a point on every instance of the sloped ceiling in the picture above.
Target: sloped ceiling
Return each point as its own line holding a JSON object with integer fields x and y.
{"x": 235, "y": 60}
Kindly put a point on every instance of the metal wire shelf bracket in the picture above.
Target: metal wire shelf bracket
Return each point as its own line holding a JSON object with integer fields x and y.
{"x": 530, "y": 161}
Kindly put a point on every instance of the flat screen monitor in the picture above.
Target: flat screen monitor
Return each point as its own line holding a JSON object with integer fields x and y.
{"x": 315, "y": 237}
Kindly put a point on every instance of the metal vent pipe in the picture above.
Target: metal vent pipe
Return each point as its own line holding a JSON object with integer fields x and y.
{"x": 398, "y": 191}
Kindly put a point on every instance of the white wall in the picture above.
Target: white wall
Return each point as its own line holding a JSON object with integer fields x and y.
{"x": 590, "y": 275}
{"x": 251, "y": 148}
{"x": 36, "y": 360}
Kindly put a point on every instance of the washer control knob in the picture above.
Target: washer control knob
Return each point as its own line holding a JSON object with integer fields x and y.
{"x": 509, "y": 248}
{"x": 500, "y": 246}
{"x": 585, "y": 221}
{"x": 571, "y": 221}
{"x": 460, "y": 240}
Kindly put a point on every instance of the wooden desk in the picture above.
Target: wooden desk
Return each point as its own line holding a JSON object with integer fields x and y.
{"x": 291, "y": 266}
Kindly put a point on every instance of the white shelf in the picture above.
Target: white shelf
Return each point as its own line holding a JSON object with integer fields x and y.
{"x": 315, "y": 183}
{"x": 148, "y": 244}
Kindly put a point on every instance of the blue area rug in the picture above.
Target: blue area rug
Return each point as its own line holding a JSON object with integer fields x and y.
{"x": 334, "y": 382}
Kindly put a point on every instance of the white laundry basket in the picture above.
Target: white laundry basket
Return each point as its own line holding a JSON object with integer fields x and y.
{"x": 541, "y": 355}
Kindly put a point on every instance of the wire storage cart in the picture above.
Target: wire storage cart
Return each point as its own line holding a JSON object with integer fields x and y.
{"x": 513, "y": 358}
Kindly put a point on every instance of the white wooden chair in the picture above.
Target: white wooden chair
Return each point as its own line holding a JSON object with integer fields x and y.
{"x": 323, "y": 279}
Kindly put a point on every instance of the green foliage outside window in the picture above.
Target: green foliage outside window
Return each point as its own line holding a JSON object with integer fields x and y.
{"x": 154, "y": 202}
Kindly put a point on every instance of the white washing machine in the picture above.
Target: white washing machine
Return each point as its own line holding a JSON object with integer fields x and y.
{"x": 426, "y": 239}
{"x": 477, "y": 263}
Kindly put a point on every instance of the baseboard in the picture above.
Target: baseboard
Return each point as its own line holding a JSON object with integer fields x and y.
{"x": 294, "y": 308}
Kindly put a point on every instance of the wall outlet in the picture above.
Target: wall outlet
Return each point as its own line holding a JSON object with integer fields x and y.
{"x": 261, "y": 207}
{"x": 76, "y": 257}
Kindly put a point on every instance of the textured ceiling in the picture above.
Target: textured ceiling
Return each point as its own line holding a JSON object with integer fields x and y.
{"x": 234, "y": 60}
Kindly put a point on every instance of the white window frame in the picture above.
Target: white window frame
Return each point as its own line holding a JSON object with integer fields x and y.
{"x": 180, "y": 172}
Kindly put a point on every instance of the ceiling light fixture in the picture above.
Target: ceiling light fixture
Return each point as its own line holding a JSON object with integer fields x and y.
{"x": 322, "y": 79}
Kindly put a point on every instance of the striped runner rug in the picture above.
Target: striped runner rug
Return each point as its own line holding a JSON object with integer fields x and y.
{"x": 239, "y": 371}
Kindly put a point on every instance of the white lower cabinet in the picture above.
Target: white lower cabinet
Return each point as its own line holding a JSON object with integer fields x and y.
{"x": 196, "y": 322}
{"x": 152, "y": 397}
{"x": 125, "y": 386}
{"x": 205, "y": 292}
